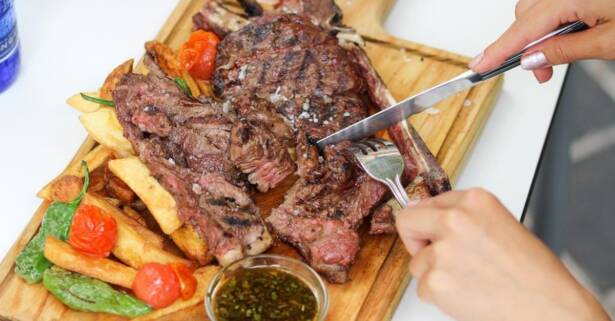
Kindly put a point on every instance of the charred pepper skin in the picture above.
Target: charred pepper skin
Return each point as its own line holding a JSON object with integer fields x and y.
{"x": 31, "y": 263}
{"x": 87, "y": 294}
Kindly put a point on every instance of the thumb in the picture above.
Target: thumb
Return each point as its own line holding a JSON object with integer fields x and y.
{"x": 562, "y": 50}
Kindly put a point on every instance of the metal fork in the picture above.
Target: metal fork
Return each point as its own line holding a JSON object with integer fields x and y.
{"x": 383, "y": 162}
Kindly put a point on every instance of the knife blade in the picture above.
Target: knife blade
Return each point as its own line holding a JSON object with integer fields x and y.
{"x": 426, "y": 99}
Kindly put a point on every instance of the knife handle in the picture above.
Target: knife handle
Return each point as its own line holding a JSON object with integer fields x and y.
{"x": 515, "y": 60}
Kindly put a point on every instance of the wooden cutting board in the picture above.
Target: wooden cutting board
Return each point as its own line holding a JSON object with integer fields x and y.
{"x": 380, "y": 274}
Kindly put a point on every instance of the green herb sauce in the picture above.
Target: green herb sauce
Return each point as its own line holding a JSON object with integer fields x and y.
{"x": 264, "y": 294}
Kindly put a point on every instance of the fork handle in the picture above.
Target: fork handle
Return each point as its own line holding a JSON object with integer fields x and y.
{"x": 398, "y": 191}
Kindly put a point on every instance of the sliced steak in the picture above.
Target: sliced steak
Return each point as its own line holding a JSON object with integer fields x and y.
{"x": 257, "y": 151}
{"x": 322, "y": 211}
{"x": 186, "y": 145}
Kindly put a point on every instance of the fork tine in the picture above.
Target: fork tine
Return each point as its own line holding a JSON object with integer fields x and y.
{"x": 381, "y": 143}
{"x": 370, "y": 144}
{"x": 356, "y": 150}
{"x": 366, "y": 148}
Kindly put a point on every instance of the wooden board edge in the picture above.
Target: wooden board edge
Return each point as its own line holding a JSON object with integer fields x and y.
{"x": 6, "y": 266}
{"x": 455, "y": 166}
{"x": 31, "y": 227}
{"x": 368, "y": 18}
{"x": 374, "y": 307}
{"x": 169, "y": 27}
{"x": 173, "y": 20}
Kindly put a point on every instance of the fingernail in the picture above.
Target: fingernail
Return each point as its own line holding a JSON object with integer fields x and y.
{"x": 476, "y": 60}
{"x": 535, "y": 60}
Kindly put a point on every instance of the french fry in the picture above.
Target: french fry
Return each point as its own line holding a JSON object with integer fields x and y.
{"x": 191, "y": 243}
{"x": 205, "y": 87}
{"x": 203, "y": 276}
{"x": 158, "y": 200}
{"x": 95, "y": 158}
{"x": 76, "y": 101}
{"x": 64, "y": 256}
{"x": 149, "y": 236}
{"x": 131, "y": 247}
{"x": 164, "y": 57}
{"x": 192, "y": 84}
{"x": 114, "y": 78}
{"x": 167, "y": 60}
{"x": 104, "y": 127}
{"x": 131, "y": 213}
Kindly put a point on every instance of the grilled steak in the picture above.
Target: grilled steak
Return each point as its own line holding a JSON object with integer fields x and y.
{"x": 298, "y": 63}
{"x": 322, "y": 211}
{"x": 259, "y": 148}
{"x": 186, "y": 145}
{"x": 286, "y": 65}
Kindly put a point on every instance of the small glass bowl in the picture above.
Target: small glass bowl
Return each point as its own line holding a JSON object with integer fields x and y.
{"x": 283, "y": 263}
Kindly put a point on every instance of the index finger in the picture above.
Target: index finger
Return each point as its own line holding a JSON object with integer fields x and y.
{"x": 539, "y": 20}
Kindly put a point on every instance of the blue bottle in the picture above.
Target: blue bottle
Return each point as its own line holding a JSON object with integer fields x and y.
{"x": 9, "y": 45}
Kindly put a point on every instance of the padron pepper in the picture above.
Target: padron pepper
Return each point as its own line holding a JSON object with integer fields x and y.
{"x": 83, "y": 293}
{"x": 31, "y": 262}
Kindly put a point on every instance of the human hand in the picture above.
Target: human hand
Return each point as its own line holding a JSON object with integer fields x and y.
{"x": 475, "y": 262}
{"x": 536, "y": 18}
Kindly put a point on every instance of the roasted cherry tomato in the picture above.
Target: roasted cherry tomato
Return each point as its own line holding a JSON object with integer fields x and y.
{"x": 187, "y": 281}
{"x": 198, "y": 54}
{"x": 92, "y": 231}
{"x": 157, "y": 285}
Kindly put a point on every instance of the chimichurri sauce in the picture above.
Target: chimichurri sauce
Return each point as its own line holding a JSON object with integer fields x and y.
{"x": 264, "y": 294}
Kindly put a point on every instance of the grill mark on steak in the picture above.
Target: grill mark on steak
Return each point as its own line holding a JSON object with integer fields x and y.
{"x": 254, "y": 149}
{"x": 304, "y": 82}
{"x": 190, "y": 158}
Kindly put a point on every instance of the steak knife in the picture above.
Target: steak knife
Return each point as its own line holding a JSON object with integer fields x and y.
{"x": 424, "y": 100}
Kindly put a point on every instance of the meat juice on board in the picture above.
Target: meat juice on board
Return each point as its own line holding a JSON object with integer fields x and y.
{"x": 9, "y": 45}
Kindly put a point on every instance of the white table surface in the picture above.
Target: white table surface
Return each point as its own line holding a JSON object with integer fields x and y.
{"x": 70, "y": 45}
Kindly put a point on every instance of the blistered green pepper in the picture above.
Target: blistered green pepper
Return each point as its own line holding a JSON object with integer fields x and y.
{"x": 31, "y": 263}
{"x": 83, "y": 293}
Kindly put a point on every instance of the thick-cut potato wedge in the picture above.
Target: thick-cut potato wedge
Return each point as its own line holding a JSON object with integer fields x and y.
{"x": 114, "y": 78}
{"x": 167, "y": 60}
{"x": 191, "y": 243}
{"x": 149, "y": 236}
{"x": 164, "y": 57}
{"x": 205, "y": 87}
{"x": 104, "y": 127}
{"x": 159, "y": 202}
{"x": 134, "y": 215}
{"x": 64, "y": 256}
{"x": 192, "y": 84}
{"x": 82, "y": 105}
{"x": 95, "y": 158}
{"x": 203, "y": 277}
{"x": 131, "y": 247}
